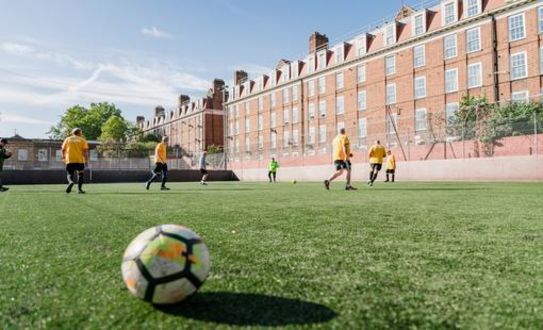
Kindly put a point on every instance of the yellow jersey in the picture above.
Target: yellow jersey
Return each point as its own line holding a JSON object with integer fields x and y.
{"x": 160, "y": 153}
{"x": 391, "y": 162}
{"x": 75, "y": 150}
{"x": 376, "y": 154}
{"x": 341, "y": 153}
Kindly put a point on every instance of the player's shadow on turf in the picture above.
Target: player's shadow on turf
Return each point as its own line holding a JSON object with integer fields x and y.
{"x": 250, "y": 310}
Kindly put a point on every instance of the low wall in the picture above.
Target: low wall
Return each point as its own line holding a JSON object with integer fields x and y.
{"x": 472, "y": 169}
{"x": 108, "y": 176}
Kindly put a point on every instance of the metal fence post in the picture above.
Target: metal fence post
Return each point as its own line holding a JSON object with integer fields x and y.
{"x": 535, "y": 136}
{"x": 463, "y": 143}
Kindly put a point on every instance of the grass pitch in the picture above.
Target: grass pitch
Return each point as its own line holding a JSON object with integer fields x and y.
{"x": 403, "y": 255}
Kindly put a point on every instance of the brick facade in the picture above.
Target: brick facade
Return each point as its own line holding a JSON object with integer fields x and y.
{"x": 278, "y": 114}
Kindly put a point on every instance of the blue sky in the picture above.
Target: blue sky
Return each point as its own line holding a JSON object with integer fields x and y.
{"x": 141, "y": 53}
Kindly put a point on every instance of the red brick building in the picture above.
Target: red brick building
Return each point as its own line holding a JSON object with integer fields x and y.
{"x": 386, "y": 82}
{"x": 193, "y": 125}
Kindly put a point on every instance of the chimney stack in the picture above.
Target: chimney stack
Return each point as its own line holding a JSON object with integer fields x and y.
{"x": 182, "y": 100}
{"x": 140, "y": 119}
{"x": 240, "y": 77}
{"x": 218, "y": 84}
{"x": 159, "y": 111}
{"x": 317, "y": 42}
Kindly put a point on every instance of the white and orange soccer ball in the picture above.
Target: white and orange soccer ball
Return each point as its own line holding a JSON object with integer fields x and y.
{"x": 165, "y": 264}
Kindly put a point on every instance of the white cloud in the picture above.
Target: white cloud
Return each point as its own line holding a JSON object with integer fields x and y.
{"x": 156, "y": 33}
{"x": 10, "y": 118}
{"x": 16, "y": 49}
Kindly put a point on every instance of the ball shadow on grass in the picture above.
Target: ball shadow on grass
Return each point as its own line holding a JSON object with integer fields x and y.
{"x": 249, "y": 309}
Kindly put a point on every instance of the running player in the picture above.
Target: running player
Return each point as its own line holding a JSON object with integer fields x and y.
{"x": 75, "y": 154}
{"x": 391, "y": 165}
{"x": 342, "y": 155}
{"x": 202, "y": 162}
{"x": 376, "y": 154}
{"x": 161, "y": 164}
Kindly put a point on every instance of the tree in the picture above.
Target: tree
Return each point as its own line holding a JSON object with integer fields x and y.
{"x": 89, "y": 120}
{"x": 114, "y": 129}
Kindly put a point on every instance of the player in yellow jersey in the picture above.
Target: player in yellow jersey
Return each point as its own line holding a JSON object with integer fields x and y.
{"x": 161, "y": 164}
{"x": 342, "y": 159}
{"x": 391, "y": 165}
{"x": 376, "y": 154}
{"x": 75, "y": 154}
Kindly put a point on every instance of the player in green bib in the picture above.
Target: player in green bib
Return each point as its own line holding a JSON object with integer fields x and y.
{"x": 272, "y": 170}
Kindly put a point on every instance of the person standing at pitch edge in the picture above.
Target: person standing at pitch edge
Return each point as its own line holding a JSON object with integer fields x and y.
{"x": 161, "y": 164}
{"x": 342, "y": 159}
{"x": 391, "y": 165}
{"x": 272, "y": 170}
{"x": 75, "y": 154}
{"x": 202, "y": 162}
{"x": 376, "y": 154}
{"x": 4, "y": 154}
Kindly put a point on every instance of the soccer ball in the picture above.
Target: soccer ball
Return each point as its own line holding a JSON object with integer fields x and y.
{"x": 165, "y": 264}
{"x": 293, "y": 181}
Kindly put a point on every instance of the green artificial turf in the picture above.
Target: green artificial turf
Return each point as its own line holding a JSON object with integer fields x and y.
{"x": 403, "y": 255}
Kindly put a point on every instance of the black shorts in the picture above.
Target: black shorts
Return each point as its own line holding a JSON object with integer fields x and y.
{"x": 376, "y": 167}
{"x": 342, "y": 164}
{"x": 203, "y": 171}
{"x": 160, "y": 168}
{"x": 391, "y": 171}
{"x": 75, "y": 167}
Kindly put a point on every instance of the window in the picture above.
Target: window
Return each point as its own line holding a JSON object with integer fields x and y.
{"x": 285, "y": 95}
{"x": 295, "y": 115}
{"x": 420, "y": 120}
{"x": 340, "y": 83}
{"x": 286, "y": 138}
{"x": 450, "y": 14}
{"x": 321, "y": 60}
{"x": 392, "y": 120}
{"x": 475, "y": 75}
{"x": 260, "y": 122}
{"x": 322, "y": 134}
{"x": 22, "y": 155}
{"x": 541, "y": 61}
{"x": 311, "y": 64}
{"x": 42, "y": 155}
{"x": 294, "y": 69}
{"x": 362, "y": 102}
{"x": 390, "y": 34}
{"x": 247, "y": 143}
{"x": 260, "y": 142}
{"x": 311, "y": 110}
{"x": 391, "y": 94}
{"x": 361, "y": 45}
{"x": 286, "y": 115}
{"x": 540, "y": 19}
{"x": 295, "y": 137}
{"x": 451, "y": 80}
{"x": 272, "y": 119}
{"x": 362, "y": 128}
{"x": 339, "y": 126}
{"x": 311, "y": 135}
{"x": 247, "y": 124}
{"x": 419, "y": 24}
{"x": 340, "y": 105}
{"x": 517, "y": 29}
{"x": 520, "y": 97}
{"x": 311, "y": 88}
{"x": 473, "y": 40}
{"x": 339, "y": 54}
{"x": 58, "y": 155}
{"x": 273, "y": 140}
{"x": 294, "y": 93}
{"x": 450, "y": 113}
{"x": 390, "y": 64}
{"x": 420, "y": 87}
{"x": 419, "y": 58}
{"x": 473, "y": 7}
{"x": 519, "y": 68}
{"x": 272, "y": 99}
{"x": 322, "y": 108}
{"x": 322, "y": 85}
{"x": 260, "y": 104}
{"x": 450, "y": 46}
{"x": 236, "y": 127}
{"x": 361, "y": 73}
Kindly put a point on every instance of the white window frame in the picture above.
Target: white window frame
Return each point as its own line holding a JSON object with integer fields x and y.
{"x": 322, "y": 84}
{"x": 294, "y": 68}
{"x": 479, "y": 48}
{"x": 479, "y": 75}
{"x": 455, "y": 89}
{"x": 311, "y": 64}
{"x": 323, "y": 108}
{"x": 295, "y": 115}
{"x": 285, "y": 95}
{"x": 388, "y": 29}
{"x": 340, "y": 80}
{"x": 414, "y": 24}
{"x": 294, "y": 137}
{"x": 523, "y": 20}
{"x": 541, "y": 61}
{"x": 286, "y": 138}
{"x": 322, "y": 134}
{"x": 311, "y": 110}
{"x": 247, "y": 124}
{"x": 311, "y": 135}
{"x": 273, "y": 140}
{"x": 419, "y": 91}
{"x": 272, "y": 99}
{"x": 444, "y": 12}
{"x": 311, "y": 88}
{"x": 419, "y": 120}
{"x": 393, "y": 65}
{"x": 273, "y": 121}
{"x": 362, "y": 96}
{"x": 260, "y": 122}
{"x": 421, "y": 62}
{"x": 340, "y": 105}
{"x": 390, "y": 97}
{"x": 362, "y": 123}
{"x": 448, "y": 107}
{"x": 294, "y": 93}
{"x": 321, "y": 59}
{"x": 286, "y": 116}
{"x": 340, "y": 54}
{"x": 445, "y": 39}
{"x": 478, "y": 3}
{"x": 516, "y": 99}
{"x": 540, "y": 19}
{"x": 361, "y": 46}
{"x": 361, "y": 73}
{"x": 339, "y": 126}
{"x": 512, "y": 69}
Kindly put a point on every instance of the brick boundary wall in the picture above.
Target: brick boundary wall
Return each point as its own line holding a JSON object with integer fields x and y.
{"x": 522, "y": 168}
{"x": 10, "y": 177}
